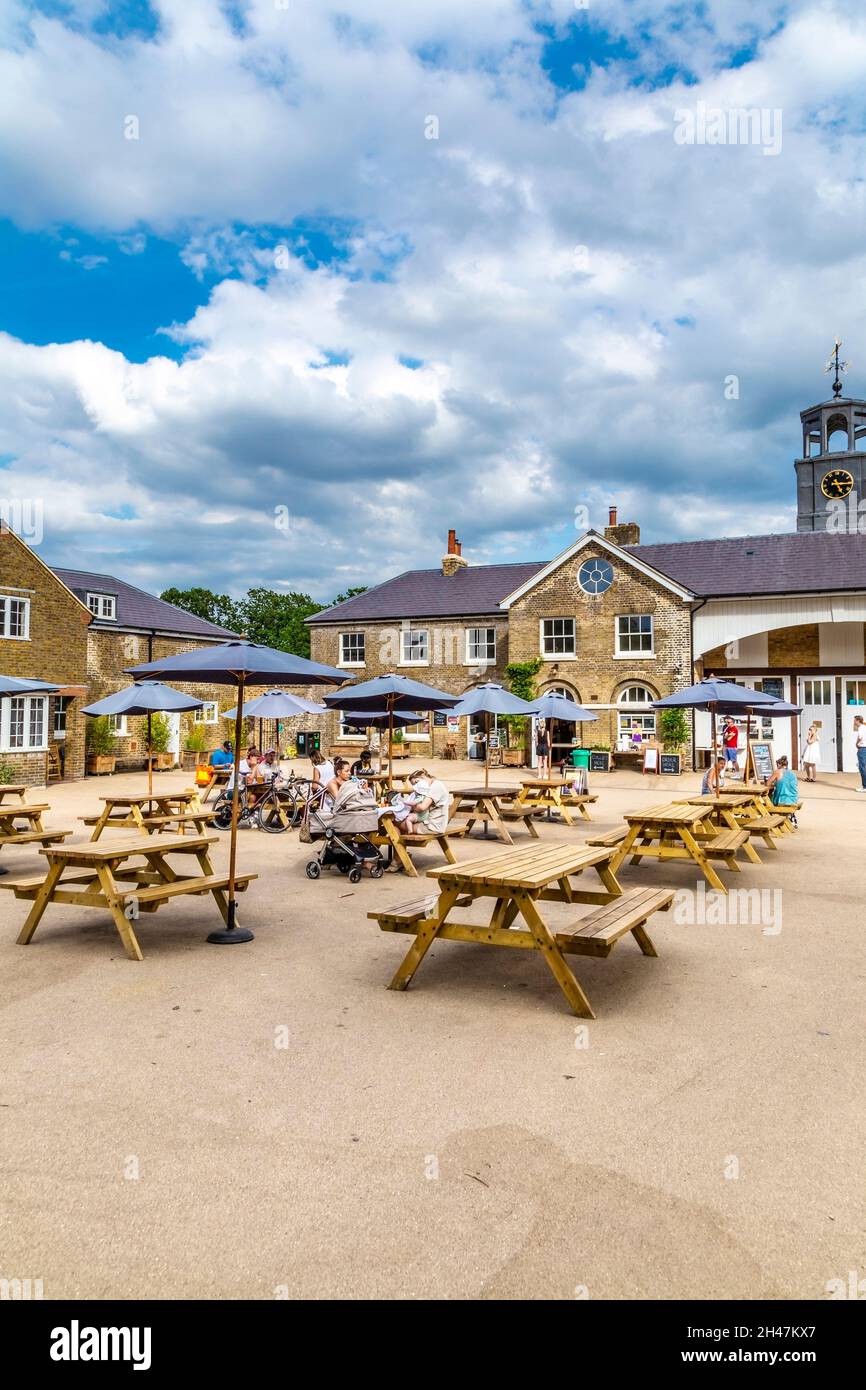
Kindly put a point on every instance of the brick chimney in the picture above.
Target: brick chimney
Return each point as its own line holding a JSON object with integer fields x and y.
{"x": 624, "y": 533}
{"x": 453, "y": 560}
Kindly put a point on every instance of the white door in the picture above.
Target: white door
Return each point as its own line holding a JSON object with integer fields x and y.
{"x": 818, "y": 698}
{"x": 173, "y": 733}
{"x": 853, "y": 702}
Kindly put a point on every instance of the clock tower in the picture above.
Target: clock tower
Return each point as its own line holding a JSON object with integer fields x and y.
{"x": 832, "y": 466}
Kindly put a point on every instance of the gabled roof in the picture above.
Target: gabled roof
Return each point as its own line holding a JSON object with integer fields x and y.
{"x": 797, "y": 562}
{"x": 138, "y": 609}
{"x": 475, "y": 591}
{"x": 597, "y": 542}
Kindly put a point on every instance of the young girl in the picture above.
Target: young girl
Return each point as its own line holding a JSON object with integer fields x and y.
{"x": 811, "y": 753}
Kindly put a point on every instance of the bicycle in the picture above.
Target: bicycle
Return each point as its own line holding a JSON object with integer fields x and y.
{"x": 282, "y": 806}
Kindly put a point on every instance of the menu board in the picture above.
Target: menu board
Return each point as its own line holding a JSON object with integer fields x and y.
{"x": 599, "y": 762}
{"x": 671, "y": 764}
{"x": 650, "y": 759}
{"x": 775, "y": 686}
{"x": 762, "y": 760}
{"x": 440, "y": 719}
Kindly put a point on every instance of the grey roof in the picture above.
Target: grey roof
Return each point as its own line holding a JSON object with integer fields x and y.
{"x": 474, "y": 591}
{"x": 137, "y": 609}
{"x": 796, "y": 562}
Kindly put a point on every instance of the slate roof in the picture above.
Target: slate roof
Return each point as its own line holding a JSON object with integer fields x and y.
{"x": 137, "y": 609}
{"x": 796, "y": 562}
{"x": 476, "y": 590}
{"x": 792, "y": 563}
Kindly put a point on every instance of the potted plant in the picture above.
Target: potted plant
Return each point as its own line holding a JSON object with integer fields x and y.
{"x": 194, "y": 745}
{"x": 521, "y": 681}
{"x": 101, "y": 746}
{"x": 160, "y": 737}
{"x": 674, "y": 729}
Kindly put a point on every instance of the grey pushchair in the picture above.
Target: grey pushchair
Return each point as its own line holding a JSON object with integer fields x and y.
{"x": 343, "y": 833}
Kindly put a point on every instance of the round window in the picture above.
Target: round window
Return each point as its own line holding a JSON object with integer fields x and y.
{"x": 595, "y": 576}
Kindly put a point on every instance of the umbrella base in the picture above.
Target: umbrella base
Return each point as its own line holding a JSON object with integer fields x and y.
{"x": 230, "y": 937}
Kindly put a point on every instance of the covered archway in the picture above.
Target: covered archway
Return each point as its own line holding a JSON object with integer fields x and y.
{"x": 562, "y": 735}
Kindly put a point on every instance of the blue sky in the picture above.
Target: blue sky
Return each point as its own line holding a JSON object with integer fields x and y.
{"x": 282, "y": 291}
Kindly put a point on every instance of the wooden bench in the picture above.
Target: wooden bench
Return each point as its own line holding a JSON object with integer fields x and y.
{"x": 764, "y": 826}
{"x": 405, "y": 916}
{"x": 597, "y": 934}
{"x": 612, "y": 838}
{"x": 725, "y": 845}
{"x": 389, "y": 835}
{"x": 151, "y": 897}
{"x": 29, "y": 837}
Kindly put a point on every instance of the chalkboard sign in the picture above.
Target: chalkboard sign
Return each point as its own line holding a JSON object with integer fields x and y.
{"x": 762, "y": 760}
{"x": 440, "y": 719}
{"x": 671, "y": 764}
{"x": 773, "y": 685}
{"x": 599, "y": 762}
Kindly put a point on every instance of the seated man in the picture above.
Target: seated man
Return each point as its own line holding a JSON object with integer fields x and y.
{"x": 269, "y": 765}
{"x": 432, "y": 812}
{"x": 362, "y": 766}
{"x": 221, "y": 757}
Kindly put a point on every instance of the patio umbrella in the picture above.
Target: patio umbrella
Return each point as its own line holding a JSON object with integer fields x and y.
{"x": 779, "y": 709}
{"x": 556, "y": 706}
{"x": 239, "y": 663}
{"x": 10, "y": 686}
{"x": 379, "y": 719}
{"x": 148, "y": 697}
{"x": 714, "y": 695}
{"x": 394, "y": 694}
{"x": 275, "y": 704}
{"x": 488, "y": 699}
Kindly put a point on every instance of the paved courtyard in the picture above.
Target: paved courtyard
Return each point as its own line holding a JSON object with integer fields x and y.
{"x": 470, "y": 1138}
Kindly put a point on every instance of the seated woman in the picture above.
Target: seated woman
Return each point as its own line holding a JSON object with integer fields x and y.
{"x": 713, "y": 778}
{"x": 783, "y": 787}
{"x": 432, "y": 812}
{"x": 341, "y": 775}
{"x": 363, "y": 766}
{"x": 323, "y": 770}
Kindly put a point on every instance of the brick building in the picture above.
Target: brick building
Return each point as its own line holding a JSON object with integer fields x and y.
{"x": 618, "y": 624}
{"x": 79, "y": 630}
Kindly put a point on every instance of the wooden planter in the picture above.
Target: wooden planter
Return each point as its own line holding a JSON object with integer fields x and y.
{"x": 161, "y": 761}
{"x": 190, "y": 759}
{"x": 99, "y": 764}
{"x": 513, "y": 757}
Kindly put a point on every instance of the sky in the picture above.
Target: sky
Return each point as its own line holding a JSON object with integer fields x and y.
{"x": 287, "y": 289}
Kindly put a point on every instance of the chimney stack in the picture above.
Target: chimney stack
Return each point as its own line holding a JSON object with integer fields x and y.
{"x": 622, "y": 533}
{"x": 452, "y": 560}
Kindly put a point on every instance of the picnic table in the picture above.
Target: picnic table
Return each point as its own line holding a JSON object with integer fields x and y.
{"x": 547, "y": 794}
{"x": 683, "y": 831}
{"x": 517, "y": 880}
{"x": 158, "y": 811}
{"x": 389, "y": 836}
{"x": 764, "y": 805}
{"x": 493, "y": 806}
{"x": 106, "y": 877}
{"x": 32, "y": 831}
{"x": 219, "y": 776}
{"x": 12, "y": 789}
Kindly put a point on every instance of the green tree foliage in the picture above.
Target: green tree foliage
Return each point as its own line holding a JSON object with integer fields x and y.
{"x": 674, "y": 728}
{"x": 274, "y": 619}
{"x": 214, "y": 608}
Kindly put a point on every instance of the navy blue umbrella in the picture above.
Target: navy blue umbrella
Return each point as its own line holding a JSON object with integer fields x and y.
{"x": 714, "y": 695}
{"x": 556, "y": 706}
{"x": 148, "y": 697}
{"x": 10, "y": 686}
{"x": 239, "y": 663}
{"x": 488, "y": 699}
{"x": 394, "y": 694}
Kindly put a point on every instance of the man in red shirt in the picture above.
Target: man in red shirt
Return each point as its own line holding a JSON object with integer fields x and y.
{"x": 731, "y": 738}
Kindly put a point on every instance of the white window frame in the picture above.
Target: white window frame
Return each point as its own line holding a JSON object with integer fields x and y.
{"x": 6, "y": 602}
{"x": 61, "y": 706}
{"x": 636, "y": 654}
{"x": 106, "y": 606}
{"x": 557, "y": 656}
{"x": 343, "y": 661}
{"x": 208, "y": 714}
{"x": 6, "y": 721}
{"x": 630, "y": 710}
{"x": 422, "y": 737}
{"x": 411, "y": 632}
{"x": 470, "y": 660}
{"x": 117, "y": 725}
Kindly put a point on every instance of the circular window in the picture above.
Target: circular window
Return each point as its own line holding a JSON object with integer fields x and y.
{"x": 595, "y": 576}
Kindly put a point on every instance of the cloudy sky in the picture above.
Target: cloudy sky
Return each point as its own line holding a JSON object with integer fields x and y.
{"x": 288, "y": 288}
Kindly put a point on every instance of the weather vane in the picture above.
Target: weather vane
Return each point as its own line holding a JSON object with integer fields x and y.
{"x": 834, "y": 365}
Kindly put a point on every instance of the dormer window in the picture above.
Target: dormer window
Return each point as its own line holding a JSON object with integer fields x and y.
{"x": 103, "y": 606}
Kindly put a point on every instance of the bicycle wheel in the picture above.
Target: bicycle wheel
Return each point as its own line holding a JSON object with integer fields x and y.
{"x": 270, "y": 817}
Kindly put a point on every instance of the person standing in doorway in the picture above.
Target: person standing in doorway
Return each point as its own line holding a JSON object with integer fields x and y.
{"x": 542, "y": 749}
{"x": 811, "y": 753}
{"x": 730, "y": 741}
{"x": 860, "y": 745}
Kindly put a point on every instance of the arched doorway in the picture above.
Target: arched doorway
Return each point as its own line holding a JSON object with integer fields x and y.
{"x": 562, "y": 734}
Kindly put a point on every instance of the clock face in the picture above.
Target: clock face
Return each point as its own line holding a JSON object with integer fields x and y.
{"x": 837, "y": 483}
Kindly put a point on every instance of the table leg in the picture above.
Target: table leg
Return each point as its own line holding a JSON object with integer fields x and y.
{"x": 701, "y": 860}
{"x": 620, "y": 855}
{"x": 445, "y": 846}
{"x": 426, "y": 935}
{"x": 101, "y": 823}
{"x": 609, "y": 879}
{"x": 492, "y": 817}
{"x": 40, "y": 902}
{"x": 560, "y": 806}
{"x": 732, "y": 823}
{"x": 114, "y": 901}
{"x": 553, "y": 956}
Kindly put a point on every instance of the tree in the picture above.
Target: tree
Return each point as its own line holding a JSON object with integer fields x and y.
{"x": 350, "y": 593}
{"x": 277, "y": 620}
{"x": 203, "y": 603}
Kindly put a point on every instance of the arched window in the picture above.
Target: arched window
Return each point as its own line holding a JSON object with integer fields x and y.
{"x": 568, "y": 692}
{"x": 837, "y": 434}
{"x": 635, "y": 713}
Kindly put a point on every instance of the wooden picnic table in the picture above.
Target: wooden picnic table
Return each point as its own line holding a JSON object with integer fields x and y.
{"x": 517, "y": 880}
{"x": 105, "y": 877}
{"x": 389, "y": 836}
{"x": 32, "y": 831}
{"x": 12, "y": 789}
{"x": 546, "y": 794}
{"x": 764, "y": 805}
{"x": 158, "y": 811}
{"x": 683, "y": 831}
{"x": 219, "y": 776}
{"x": 492, "y": 806}
{"x": 728, "y": 813}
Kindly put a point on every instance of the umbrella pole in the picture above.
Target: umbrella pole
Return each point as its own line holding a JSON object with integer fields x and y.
{"x": 149, "y": 755}
{"x": 232, "y": 934}
{"x": 390, "y": 743}
{"x": 486, "y": 749}
{"x": 713, "y": 717}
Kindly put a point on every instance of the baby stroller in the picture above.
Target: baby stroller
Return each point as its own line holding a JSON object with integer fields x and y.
{"x": 344, "y": 834}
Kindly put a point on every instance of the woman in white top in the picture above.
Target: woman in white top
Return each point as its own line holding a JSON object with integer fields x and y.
{"x": 811, "y": 753}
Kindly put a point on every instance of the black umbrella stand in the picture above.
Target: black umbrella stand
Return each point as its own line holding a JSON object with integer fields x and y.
{"x": 230, "y": 934}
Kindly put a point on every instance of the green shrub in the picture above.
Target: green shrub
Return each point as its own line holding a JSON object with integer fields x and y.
{"x": 196, "y": 739}
{"x": 160, "y": 733}
{"x": 7, "y": 774}
{"x": 100, "y": 737}
{"x": 674, "y": 727}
